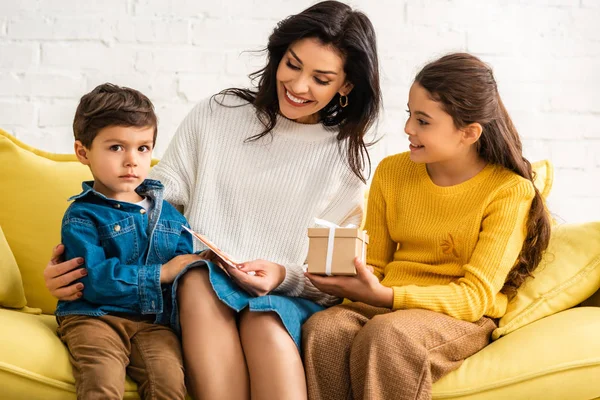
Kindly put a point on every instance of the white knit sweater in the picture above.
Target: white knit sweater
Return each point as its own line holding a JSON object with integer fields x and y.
{"x": 255, "y": 200}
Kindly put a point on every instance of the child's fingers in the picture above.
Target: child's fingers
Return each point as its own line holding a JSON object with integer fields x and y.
{"x": 361, "y": 269}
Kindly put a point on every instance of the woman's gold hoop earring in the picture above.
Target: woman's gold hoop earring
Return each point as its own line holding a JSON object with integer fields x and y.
{"x": 343, "y": 101}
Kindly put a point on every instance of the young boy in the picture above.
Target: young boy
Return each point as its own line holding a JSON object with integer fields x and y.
{"x": 133, "y": 246}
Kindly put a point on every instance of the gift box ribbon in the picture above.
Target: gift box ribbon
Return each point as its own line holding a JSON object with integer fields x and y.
{"x": 331, "y": 241}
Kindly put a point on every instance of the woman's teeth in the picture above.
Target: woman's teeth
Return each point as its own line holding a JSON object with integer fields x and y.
{"x": 295, "y": 99}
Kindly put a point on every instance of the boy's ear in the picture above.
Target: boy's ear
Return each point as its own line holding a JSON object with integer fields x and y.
{"x": 81, "y": 153}
{"x": 472, "y": 133}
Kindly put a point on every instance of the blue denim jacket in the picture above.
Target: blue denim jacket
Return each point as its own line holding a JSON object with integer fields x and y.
{"x": 124, "y": 248}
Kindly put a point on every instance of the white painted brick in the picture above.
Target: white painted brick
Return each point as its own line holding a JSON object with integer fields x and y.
{"x": 57, "y": 113}
{"x": 535, "y": 150}
{"x": 18, "y": 56}
{"x": 227, "y": 33}
{"x": 398, "y": 70}
{"x": 66, "y": 8}
{"x": 266, "y": 9}
{"x": 522, "y": 96}
{"x": 180, "y": 59}
{"x": 55, "y": 140}
{"x": 153, "y": 31}
{"x": 10, "y": 8}
{"x": 576, "y": 183}
{"x": 241, "y": 63}
{"x": 590, "y": 3}
{"x": 269, "y": 10}
{"x": 196, "y": 87}
{"x": 395, "y": 96}
{"x": 420, "y": 43}
{"x": 158, "y": 87}
{"x": 52, "y": 85}
{"x": 44, "y": 28}
{"x": 382, "y": 12}
{"x": 554, "y": 125}
{"x": 575, "y": 209}
{"x": 162, "y": 8}
{"x": 87, "y": 56}
{"x": 593, "y": 162}
{"x": 579, "y": 98}
{"x": 585, "y": 24}
{"x": 10, "y": 85}
{"x": 568, "y": 154}
{"x": 13, "y": 113}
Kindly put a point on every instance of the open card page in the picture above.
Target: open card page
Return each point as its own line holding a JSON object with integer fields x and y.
{"x": 221, "y": 254}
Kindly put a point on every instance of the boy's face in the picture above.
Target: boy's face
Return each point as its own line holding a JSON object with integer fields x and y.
{"x": 119, "y": 159}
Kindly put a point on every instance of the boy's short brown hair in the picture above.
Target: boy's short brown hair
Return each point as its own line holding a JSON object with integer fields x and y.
{"x": 111, "y": 105}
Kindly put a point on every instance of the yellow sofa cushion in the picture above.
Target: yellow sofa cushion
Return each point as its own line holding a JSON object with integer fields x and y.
{"x": 12, "y": 294}
{"x": 537, "y": 359}
{"x": 544, "y": 177}
{"x": 568, "y": 274}
{"x": 34, "y": 363}
{"x": 35, "y": 186}
{"x": 555, "y": 358}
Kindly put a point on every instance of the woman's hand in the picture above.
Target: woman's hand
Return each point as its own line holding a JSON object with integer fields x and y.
{"x": 267, "y": 276}
{"x": 363, "y": 287}
{"x": 59, "y": 276}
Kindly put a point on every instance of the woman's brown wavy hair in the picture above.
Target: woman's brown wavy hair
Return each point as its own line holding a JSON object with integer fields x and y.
{"x": 352, "y": 34}
{"x": 467, "y": 90}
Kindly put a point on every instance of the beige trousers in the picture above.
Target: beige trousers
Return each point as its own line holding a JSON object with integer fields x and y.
{"x": 357, "y": 351}
{"x": 103, "y": 349}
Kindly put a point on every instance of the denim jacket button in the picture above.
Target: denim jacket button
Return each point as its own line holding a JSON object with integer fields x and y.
{"x": 153, "y": 305}
{"x": 117, "y": 228}
{"x": 143, "y": 211}
{"x": 117, "y": 206}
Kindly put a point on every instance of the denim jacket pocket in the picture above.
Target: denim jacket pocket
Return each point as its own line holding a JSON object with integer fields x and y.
{"x": 120, "y": 239}
{"x": 166, "y": 238}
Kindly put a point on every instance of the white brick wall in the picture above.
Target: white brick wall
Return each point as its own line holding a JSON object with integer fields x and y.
{"x": 546, "y": 55}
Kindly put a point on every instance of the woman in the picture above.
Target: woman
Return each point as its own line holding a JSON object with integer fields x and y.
{"x": 252, "y": 168}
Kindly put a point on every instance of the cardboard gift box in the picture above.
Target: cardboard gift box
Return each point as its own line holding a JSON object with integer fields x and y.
{"x": 331, "y": 251}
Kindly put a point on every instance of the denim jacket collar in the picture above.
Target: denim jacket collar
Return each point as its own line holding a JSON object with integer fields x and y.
{"x": 149, "y": 187}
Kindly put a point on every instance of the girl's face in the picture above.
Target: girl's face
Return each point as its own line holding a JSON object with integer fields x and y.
{"x": 308, "y": 77}
{"x": 431, "y": 131}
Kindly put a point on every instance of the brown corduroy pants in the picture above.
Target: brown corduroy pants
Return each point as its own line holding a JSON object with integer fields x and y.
{"x": 357, "y": 351}
{"x": 103, "y": 349}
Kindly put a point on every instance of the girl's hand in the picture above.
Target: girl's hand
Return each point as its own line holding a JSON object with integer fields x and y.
{"x": 267, "y": 276}
{"x": 363, "y": 287}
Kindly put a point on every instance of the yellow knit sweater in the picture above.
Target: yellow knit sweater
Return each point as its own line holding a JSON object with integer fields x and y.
{"x": 446, "y": 249}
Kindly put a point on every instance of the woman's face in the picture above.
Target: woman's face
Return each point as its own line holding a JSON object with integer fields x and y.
{"x": 308, "y": 77}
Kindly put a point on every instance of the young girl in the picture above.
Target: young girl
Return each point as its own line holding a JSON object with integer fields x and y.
{"x": 456, "y": 225}
{"x": 252, "y": 168}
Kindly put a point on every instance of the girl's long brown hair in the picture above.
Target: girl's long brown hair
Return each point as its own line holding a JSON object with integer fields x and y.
{"x": 467, "y": 90}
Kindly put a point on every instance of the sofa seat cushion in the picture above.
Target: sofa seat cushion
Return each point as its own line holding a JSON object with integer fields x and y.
{"x": 554, "y": 358}
{"x": 34, "y": 362}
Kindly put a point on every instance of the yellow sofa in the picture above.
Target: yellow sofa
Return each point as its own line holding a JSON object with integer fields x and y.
{"x": 547, "y": 349}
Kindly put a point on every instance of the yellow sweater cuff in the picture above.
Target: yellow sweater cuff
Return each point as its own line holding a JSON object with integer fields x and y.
{"x": 399, "y": 297}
